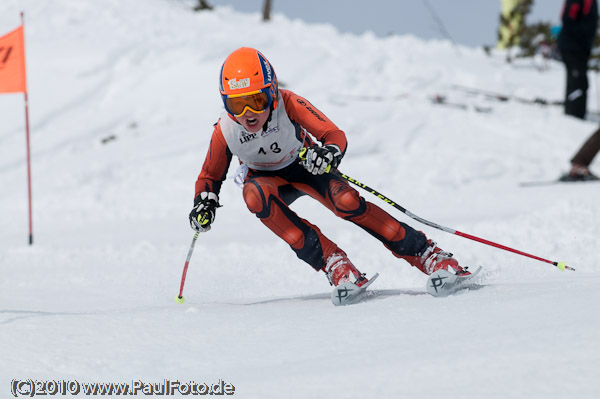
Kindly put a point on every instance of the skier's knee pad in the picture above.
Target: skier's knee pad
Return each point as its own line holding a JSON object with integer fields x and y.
{"x": 258, "y": 196}
{"x": 254, "y": 197}
{"x": 348, "y": 203}
{"x": 272, "y": 212}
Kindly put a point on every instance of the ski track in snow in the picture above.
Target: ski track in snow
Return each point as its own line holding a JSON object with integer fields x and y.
{"x": 93, "y": 298}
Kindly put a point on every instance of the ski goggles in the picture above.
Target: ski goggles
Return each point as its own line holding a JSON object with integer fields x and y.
{"x": 256, "y": 101}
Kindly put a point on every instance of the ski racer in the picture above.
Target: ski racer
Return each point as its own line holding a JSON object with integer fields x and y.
{"x": 266, "y": 128}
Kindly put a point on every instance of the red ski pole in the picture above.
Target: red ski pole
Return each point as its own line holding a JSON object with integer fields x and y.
{"x": 180, "y": 298}
{"x": 560, "y": 265}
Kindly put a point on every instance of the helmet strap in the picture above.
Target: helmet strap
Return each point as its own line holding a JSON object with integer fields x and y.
{"x": 271, "y": 109}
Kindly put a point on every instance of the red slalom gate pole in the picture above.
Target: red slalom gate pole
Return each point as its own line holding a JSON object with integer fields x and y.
{"x": 28, "y": 151}
{"x": 28, "y": 170}
{"x": 13, "y": 79}
{"x": 180, "y": 298}
{"x": 560, "y": 265}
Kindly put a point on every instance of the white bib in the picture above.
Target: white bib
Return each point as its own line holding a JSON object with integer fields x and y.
{"x": 270, "y": 149}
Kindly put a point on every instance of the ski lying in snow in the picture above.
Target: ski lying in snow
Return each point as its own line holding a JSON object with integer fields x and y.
{"x": 441, "y": 100}
{"x": 350, "y": 293}
{"x": 504, "y": 98}
{"x": 443, "y": 283}
{"x": 561, "y": 180}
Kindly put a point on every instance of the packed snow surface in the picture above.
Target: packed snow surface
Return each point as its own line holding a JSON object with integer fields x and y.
{"x": 123, "y": 96}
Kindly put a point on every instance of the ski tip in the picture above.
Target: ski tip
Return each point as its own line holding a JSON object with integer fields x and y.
{"x": 443, "y": 283}
{"x": 373, "y": 278}
{"x": 350, "y": 293}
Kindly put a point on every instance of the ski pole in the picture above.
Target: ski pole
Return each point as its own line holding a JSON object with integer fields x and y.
{"x": 561, "y": 265}
{"x": 180, "y": 298}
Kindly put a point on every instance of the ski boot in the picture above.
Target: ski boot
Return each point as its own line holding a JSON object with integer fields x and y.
{"x": 434, "y": 259}
{"x": 340, "y": 270}
{"x": 578, "y": 173}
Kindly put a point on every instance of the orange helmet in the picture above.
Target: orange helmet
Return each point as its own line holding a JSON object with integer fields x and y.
{"x": 248, "y": 81}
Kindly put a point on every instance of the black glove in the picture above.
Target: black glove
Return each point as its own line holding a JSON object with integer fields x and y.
{"x": 319, "y": 158}
{"x": 203, "y": 213}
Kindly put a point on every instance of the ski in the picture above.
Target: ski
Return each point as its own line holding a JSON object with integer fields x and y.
{"x": 443, "y": 283}
{"x": 350, "y": 293}
{"x": 439, "y": 99}
{"x": 564, "y": 179}
{"x": 505, "y": 98}
{"x": 381, "y": 98}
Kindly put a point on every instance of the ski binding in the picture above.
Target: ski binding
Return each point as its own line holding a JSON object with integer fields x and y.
{"x": 443, "y": 283}
{"x": 350, "y": 293}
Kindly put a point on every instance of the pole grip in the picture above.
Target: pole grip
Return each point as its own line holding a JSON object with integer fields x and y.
{"x": 302, "y": 156}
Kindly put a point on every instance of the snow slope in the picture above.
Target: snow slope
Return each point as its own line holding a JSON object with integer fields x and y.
{"x": 123, "y": 95}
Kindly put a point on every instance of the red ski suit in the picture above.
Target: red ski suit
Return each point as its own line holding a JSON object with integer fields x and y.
{"x": 269, "y": 189}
